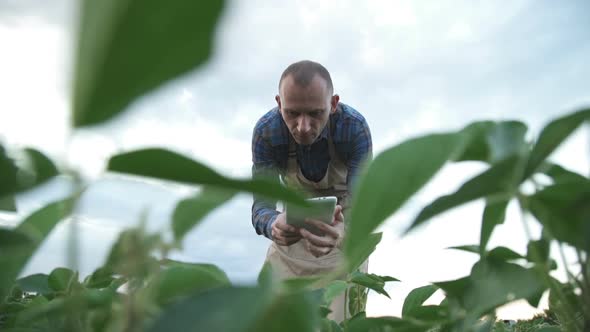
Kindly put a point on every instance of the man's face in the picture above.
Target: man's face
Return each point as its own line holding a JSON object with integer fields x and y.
{"x": 306, "y": 110}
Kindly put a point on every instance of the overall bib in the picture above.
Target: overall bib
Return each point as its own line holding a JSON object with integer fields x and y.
{"x": 295, "y": 260}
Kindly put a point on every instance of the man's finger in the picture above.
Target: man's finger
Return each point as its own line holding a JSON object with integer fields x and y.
{"x": 283, "y": 238}
{"x": 292, "y": 238}
{"x": 291, "y": 234}
{"x": 338, "y": 215}
{"x": 277, "y": 236}
{"x": 337, "y": 210}
{"x": 285, "y": 227}
{"x": 288, "y": 233}
{"x": 327, "y": 229}
{"x": 317, "y": 251}
{"x": 319, "y": 241}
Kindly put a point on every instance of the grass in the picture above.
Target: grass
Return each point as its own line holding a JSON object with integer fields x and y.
{"x": 545, "y": 319}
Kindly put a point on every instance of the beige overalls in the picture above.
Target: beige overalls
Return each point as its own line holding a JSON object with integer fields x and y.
{"x": 295, "y": 260}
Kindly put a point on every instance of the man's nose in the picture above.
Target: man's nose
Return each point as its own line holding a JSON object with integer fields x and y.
{"x": 304, "y": 123}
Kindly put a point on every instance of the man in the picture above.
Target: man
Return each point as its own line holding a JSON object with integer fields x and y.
{"x": 314, "y": 144}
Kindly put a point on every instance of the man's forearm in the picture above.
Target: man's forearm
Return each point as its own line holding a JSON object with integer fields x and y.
{"x": 262, "y": 219}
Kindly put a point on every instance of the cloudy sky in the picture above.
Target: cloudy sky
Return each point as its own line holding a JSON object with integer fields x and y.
{"x": 410, "y": 67}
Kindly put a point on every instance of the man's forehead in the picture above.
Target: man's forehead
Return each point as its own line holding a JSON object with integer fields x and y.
{"x": 316, "y": 83}
{"x": 304, "y": 109}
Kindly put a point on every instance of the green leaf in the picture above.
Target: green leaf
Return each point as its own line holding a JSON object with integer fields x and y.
{"x": 474, "y": 248}
{"x": 38, "y": 306}
{"x": 363, "y": 251}
{"x": 131, "y": 255}
{"x": 324, "y": 312}
{"x": 182, "y": 169}
{"x": 24, "y": 240}
{"x": 549, "y": 329}
{"x": 34, "y": 168}
{"x": 8, "y": 203}
{"x": 498, "y": 253}
{"x": 416, "y": 298}
{"x": 454, "y": 288}
{"x": 371, "y": 281}
{"x": 564, "y": 211}
{"x": 329, "y": 325}
{"x": 561, "y": 175}
{"x": 250, "y": 309}
{"x": 392, "y": 178}
{"x": 429, "y": 313}
{"x": 506, "y": 139}
{"x": 552, "y": 136}
{"x": 221, "y": 309}
{"x": 128, "y": 48}
{"x": 298, "y": 284}
{"x": 61, "y": 278}
{"x": 359, "y": 315}
{"x": 35, "y": 283}
{"x": 178, "y": 281}
{"x": 189, "y": 212}
{"x": 491, "y": 284}
{"x": 12, "y": 243}
{"x": 492, "y": 142}
{"x": 538, "y": 251}
{"x": 493, "y": 215}
{"x": 60, "y": 308}
{"x": 499, "y": 180}
{"x": 8, "y": 170}
{"x": 486, "y": 324}
{"x": 8, "y": 181}
{"x": 503, "y": 254}
{"x": 477, "y": 148}
{"x": 385, "y": 324}
{"x": 41, "y": 222}
{"x": 334, "y": 289}
{"x": 267, "y": 278}
{"x": 26, "y": 169}
{"x": 98, "y": 297}
{"x": 290, "y": 313}
{"x": 100, "y": 278}
{"x": 566, "y": 305}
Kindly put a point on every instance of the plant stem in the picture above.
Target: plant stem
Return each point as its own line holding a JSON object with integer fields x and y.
{"x": 73, "y": 246}
{"x": 346, "y": 303}
{"x": 584, "y": 283}
{"x": 527, "y": 231}
{"x": 569, "y": 274}
{"x": 543, "y": 272}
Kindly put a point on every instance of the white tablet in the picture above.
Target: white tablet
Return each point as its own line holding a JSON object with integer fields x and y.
{"x": 321, "y": 209}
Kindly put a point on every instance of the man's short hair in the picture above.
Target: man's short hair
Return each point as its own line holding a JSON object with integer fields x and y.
{"x": 304, "y": 71}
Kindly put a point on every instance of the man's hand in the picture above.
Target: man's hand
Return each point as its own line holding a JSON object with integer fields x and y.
{"x": 282, "y": 233}
{"x": 320, "y": 245}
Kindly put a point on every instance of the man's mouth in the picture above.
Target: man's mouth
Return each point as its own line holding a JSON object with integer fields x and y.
{"x": 304, "y": 138}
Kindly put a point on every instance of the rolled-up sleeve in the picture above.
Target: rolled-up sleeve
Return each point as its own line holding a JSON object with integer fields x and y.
{"x": 361, "y": 152}
{"x": 264, "y": 166}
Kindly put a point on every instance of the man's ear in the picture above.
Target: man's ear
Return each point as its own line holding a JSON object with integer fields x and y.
{"x": 334, "y": 103}
{"x": 278, "y": 99}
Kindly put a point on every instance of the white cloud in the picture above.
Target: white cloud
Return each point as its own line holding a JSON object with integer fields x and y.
{"x": 34, "y": 107}
{"x": 460, "y": 31}
{"x": 54, "y": 11}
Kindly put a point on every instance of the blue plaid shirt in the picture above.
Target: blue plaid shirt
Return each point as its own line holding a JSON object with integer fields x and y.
{"x": 270, "y": 148}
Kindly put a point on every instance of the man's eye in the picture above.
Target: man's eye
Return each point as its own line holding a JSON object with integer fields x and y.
{"x": 315, "y": 114}
{"x": 293, "y": 114}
